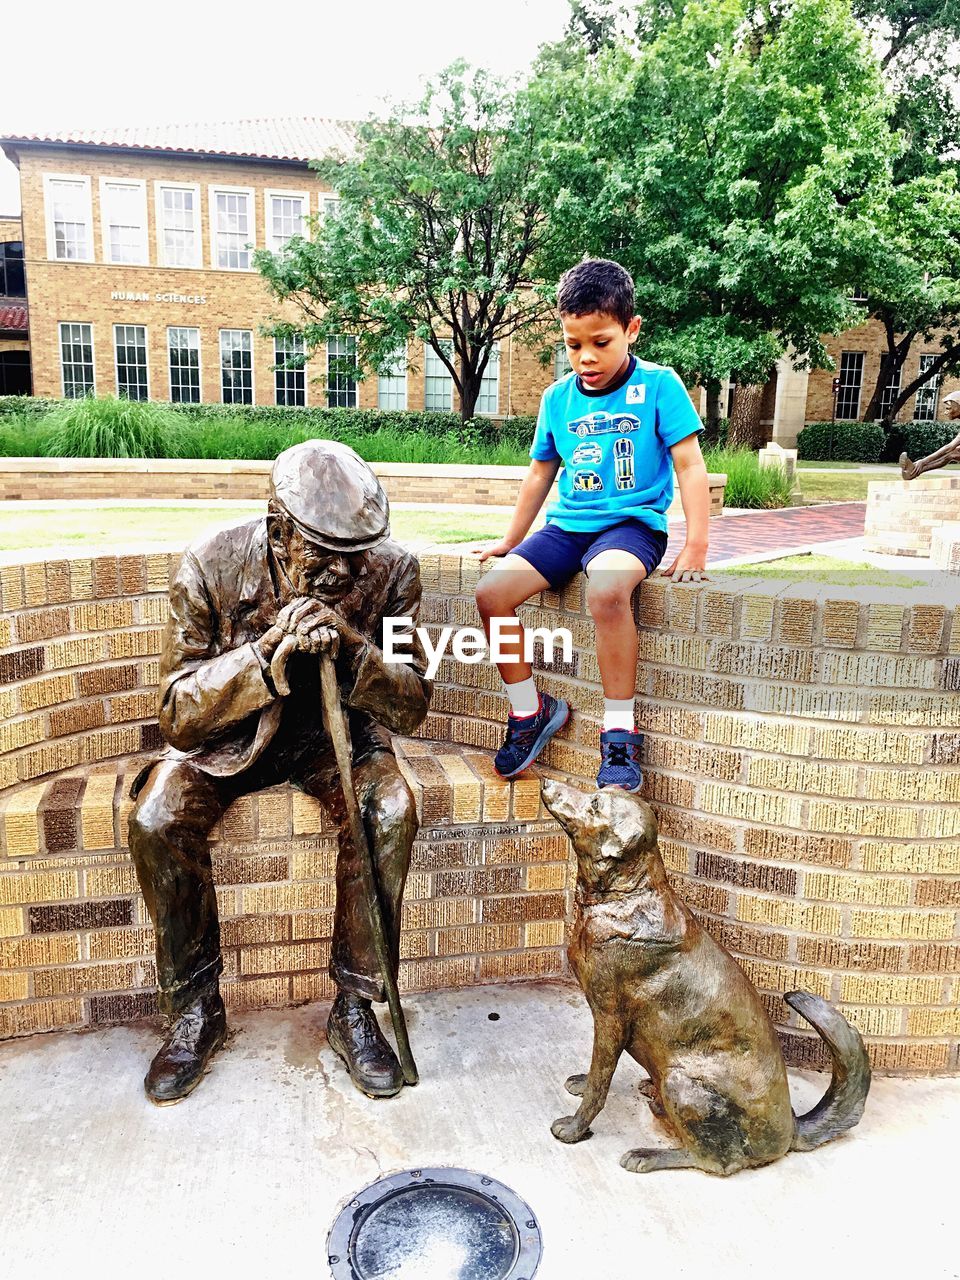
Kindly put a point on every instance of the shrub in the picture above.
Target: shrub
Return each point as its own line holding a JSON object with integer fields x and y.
{"x": 748, "y": 485}
{"x": 922, "y": 438}
{"x": 22, "y": 435}
{"x": 841, "y": 442}
{"x": 112, "y": 428}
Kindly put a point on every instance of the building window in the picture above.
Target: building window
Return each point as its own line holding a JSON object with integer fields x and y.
{"x": 69, "y": 218}
{"x": 15, "y": 373}
{"x": 928, "y": 396}
{"x": 178, "y": 225}
{"x": 290, "y": 383}
{"x": 392, "y": 384}
{"x": 130, "y": 341}
{"x": 329, "y": 205}
{"x": 286, "y": 216}
{"x": 76, "y": 360}
{"x": 889, "y": 394}
{"x": 341, "y": 372}
{"x": 123, "y": 218}
{"x": 231, "y": 226}
{"x": 859, "y": 296}
{"x": 13, "y": 283}
{"x": 561, "y": 362}
{"x": 851, "y": 380}
{"x": 488, "y": 401}
{"x": 236, "y": 366}
{"x": 437, "y": 379}
{"x": 184, "y": 348}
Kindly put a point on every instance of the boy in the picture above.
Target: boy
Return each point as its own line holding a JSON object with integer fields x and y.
{"x": 609, "y": 424}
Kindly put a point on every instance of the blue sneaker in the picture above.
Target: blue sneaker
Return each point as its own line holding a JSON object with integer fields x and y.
{"x": 620, "y": 763}
{"x": 528, "y": 735}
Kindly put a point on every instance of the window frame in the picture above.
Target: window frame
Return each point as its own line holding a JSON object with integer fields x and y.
{"x": 322, "y": 197}
{"x": 401, "y": 363}
{"x": 88, "y": 324}
{"x": 84, "y": 180}
{"x": 286, "y": 373}
{"x": 5, "y": 260}
{"x": 929, "y": 390}
{"x": 492, "y": 360}
{"x": 139, "y": 184}
{"x": 560, "y": 351}
{"x": 283, "y": 194}
{"x": 159, "y": 186}
{"x": 855, "y": 416}
{"x": 430, "y": 355}
{"x": 890, "y": 392}
{"x": 213, "y": 191}
{"x": 120, "y": 324}
{"x": 195, "y": 329}
{"x": 335, "y": 337}
{"x": 253, "y": 385}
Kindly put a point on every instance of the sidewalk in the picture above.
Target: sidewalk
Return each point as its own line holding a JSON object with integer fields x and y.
{"x": 245, "y": 1178}
{"x": 752, "y": 533}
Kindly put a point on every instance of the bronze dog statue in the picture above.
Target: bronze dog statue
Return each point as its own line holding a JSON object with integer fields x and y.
{"x": 661, "y": 989}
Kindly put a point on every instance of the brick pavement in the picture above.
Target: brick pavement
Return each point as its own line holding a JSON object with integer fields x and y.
{"x": 756, "y": 531}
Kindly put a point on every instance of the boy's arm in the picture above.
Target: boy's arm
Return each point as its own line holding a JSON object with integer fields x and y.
{"x": 534, "y": 489}
{"x": 691, "y": 472}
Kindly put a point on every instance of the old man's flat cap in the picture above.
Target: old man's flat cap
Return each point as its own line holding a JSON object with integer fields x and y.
{"x": 331, "y": 495}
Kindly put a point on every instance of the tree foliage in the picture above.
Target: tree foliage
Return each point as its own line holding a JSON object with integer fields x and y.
{"x": 441, "y": 216}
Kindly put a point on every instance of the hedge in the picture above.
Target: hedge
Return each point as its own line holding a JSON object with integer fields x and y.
{"x": 923, "y": 438}
{"x": 841, "y": 442}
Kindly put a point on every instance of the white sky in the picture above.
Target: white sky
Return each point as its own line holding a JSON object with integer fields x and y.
{"x": 124, "y": 64}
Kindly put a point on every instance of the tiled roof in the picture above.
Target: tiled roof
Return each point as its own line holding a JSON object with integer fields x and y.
{"x": 279, "y": 138}
{"x": 13, "y": 318}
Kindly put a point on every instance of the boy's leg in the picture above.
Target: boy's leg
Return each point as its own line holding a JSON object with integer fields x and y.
{"x": 534, "y": 718}
{"x": 612, "y": 577}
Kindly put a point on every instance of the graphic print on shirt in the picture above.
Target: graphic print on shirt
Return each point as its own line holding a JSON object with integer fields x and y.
{"x": 588, "y": 480}
{"x": 587, "y": 453}
{"x": 599, "y": 424}
{"x": 623, "y": 464}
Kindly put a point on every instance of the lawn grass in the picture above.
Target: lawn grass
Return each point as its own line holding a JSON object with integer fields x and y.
{"x": 843, "y": 486}
{"x": 24, "y": 527}
{"x": 820, "y": 568}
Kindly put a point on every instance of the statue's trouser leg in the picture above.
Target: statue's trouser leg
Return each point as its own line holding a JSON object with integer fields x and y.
{"x": 175, "y": 810}
{"x": 390, "y": 819}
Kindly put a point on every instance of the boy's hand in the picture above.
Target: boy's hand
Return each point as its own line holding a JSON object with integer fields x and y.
{"x": 689, "y": 566}
{"x": 498, "y": 549}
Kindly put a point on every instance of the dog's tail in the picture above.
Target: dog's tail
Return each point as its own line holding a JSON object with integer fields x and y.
{"x": 842, "y": 1105}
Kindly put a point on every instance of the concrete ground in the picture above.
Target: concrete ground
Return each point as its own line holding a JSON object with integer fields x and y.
{"x": 245, "y": 1177}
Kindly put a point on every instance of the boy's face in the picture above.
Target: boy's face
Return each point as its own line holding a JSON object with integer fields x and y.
{"x": 597, "y": 346}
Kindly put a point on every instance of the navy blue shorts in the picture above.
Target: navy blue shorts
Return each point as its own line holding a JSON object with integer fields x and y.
{"x": 560, "y": 553}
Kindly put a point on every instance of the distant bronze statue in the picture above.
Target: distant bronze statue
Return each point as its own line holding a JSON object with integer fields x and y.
{"x": 255, "y": 610}
{"x": 661, "y": 989}
{"x": 941, "y": 457}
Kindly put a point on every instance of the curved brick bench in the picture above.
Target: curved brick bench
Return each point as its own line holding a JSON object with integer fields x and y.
{"x": 902, "y": 516}
{"x": 803, "y": 756}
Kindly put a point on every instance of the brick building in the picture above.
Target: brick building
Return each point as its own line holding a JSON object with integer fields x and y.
{"x": 136, "y": 246}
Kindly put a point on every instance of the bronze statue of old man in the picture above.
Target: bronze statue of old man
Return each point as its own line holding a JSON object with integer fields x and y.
{"x": 252, "y": 610}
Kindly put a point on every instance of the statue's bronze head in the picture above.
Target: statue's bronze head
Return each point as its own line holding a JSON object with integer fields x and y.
{"x": 327, "y": 512}
{"x": 614, "y": 833}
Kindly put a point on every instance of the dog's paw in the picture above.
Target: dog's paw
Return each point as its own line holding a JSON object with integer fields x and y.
{"x": 569, "y": 1129}
{"x": 640, "y": 1160}
{"x": 575, "y": 1085}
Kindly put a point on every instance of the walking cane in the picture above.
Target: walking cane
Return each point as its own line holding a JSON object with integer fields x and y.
{"x": 339, "y": 731}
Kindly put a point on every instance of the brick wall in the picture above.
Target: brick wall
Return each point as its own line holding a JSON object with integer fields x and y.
{"x": 36, "y": 478}
{"x": 802, "y": 754}
{"x": 903, "y": 516}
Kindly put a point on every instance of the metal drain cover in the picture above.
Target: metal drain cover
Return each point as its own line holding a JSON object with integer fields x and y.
{"x": 435, "y": 1224}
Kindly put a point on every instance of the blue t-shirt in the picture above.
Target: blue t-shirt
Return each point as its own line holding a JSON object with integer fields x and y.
{"x": 614, "y": 445}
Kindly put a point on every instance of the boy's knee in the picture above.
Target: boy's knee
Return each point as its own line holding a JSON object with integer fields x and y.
{"x": 607, "y": 600}
{"x": 492, "y": 597}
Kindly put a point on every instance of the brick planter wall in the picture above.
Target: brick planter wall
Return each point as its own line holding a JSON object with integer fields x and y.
{"x": 902, "y": 516}
{"x": 802, "y": 754}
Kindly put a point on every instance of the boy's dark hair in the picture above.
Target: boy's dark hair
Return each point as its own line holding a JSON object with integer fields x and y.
{"x": 597, "y": 284}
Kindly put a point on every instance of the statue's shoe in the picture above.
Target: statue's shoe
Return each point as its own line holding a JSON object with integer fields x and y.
{"x": 193, "y": 1039}
{"x": 907, "y": 468}
{"x": 355, "y": 1037}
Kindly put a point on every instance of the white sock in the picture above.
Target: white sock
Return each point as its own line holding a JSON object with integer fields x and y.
{"x": 524, "y": 699}
{"x": 617, "y": 714}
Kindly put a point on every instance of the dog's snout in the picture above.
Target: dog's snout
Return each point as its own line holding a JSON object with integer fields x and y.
{"x": 562, "y": 801}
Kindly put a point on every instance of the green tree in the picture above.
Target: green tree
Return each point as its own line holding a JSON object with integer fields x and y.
{"x": 727, "y": 156}
{"x": 440, "y": 219}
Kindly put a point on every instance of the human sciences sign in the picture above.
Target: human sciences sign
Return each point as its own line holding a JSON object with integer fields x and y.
{"x": 129, "y": 295}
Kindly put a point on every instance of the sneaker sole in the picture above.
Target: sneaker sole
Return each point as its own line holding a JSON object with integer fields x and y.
{"x": 553, "y": 725}
{"x": 339, "y": 1048}
{"x": 620, "y": 787}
